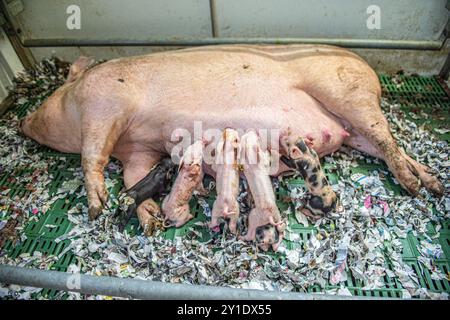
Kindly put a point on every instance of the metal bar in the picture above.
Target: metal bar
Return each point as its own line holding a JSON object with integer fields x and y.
{"x": 213, "y": 12}
{"x": 445, "y": 71}
{"x": 350, "y": 43}
{"x": 7, "y": 103}
{"x": 25, "y": 56}
{"x": 443, "y": 85}
{"x": 144, "y": 289}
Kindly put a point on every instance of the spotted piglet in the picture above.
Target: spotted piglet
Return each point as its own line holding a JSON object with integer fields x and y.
{"x": 306, "y": 161}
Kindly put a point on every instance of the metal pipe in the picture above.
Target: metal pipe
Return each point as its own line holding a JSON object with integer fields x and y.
{"x": 350, "y": 43}
{"x": 144, "y": 289}
{"x": 213, "y": 13}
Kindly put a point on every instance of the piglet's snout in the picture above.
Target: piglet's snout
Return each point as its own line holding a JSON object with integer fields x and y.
{"x": 322, "y": 205}
{"x": 177, "y": 217}
{"x": 267, "y": 236}
{"x": 181, "y": 221}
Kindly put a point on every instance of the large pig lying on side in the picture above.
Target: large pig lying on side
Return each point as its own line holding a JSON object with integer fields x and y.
{"x": 319, "y": 97}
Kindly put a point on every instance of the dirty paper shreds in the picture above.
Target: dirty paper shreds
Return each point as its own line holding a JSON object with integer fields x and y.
{"x": 360, "y": 246}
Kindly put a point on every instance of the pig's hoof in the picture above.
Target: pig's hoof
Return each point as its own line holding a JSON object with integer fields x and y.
{"x": 149, "y": 217}
{"x": 411, "y": 184}
{"x": 407, "y": 176}
{"x": 201, "y": 190}
{"x": 97, "y": 199}
{"x": 413, "y": 175}
{"x": 150, "y": 226}
{"x": 434, "y": 186}
{"x": 94, "y": 212}
{"x": 430, "y": 181}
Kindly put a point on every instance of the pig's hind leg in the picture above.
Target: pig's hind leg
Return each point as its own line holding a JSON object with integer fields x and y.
{"x": 352, "y": 91}
{"x": 374, "y": 128}
{"x": 425, "y": 174}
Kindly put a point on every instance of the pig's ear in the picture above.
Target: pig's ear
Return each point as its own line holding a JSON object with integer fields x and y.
{"x": 78, "y": 67}
{"x": 238, "y": 152}
{"x": 237, "y": 143}
{"x": 295, "y": 153}
{"x": 218, "y": 158}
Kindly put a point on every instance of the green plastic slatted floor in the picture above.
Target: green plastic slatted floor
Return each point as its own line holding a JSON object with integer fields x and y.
{"x": 415, "y": 94}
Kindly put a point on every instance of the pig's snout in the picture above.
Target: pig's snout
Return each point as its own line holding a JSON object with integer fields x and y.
{"x": 21, "y": 125}
{"x": 168, "y": 223}
{"x": 324, "y": 204}
{"x": 177, "y": 217}
{"x": 184, "y": 219}
{"x": 267, "y": 236}
{"x": 178, "y": 222}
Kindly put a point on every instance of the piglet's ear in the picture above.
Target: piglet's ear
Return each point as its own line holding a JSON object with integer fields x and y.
{"x": 236, "y": 143}
{"x": 218, "y": 159}
{"x": 295, "y": 153}
{"x": 238, "y": 152}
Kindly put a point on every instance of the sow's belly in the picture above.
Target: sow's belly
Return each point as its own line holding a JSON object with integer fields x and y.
{"x": 266, "y": 111}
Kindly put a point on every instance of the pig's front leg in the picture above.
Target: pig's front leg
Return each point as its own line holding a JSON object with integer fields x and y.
{"x": 175, "y": 206}
{"x": 98, "y": 138}
{"x": 227, "y": 180}
{"x": 306, "y": 161}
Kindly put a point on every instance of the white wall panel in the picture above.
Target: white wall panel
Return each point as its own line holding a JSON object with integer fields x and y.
{"x": 399, "y": 19}
{"x": 107, "y": 19}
